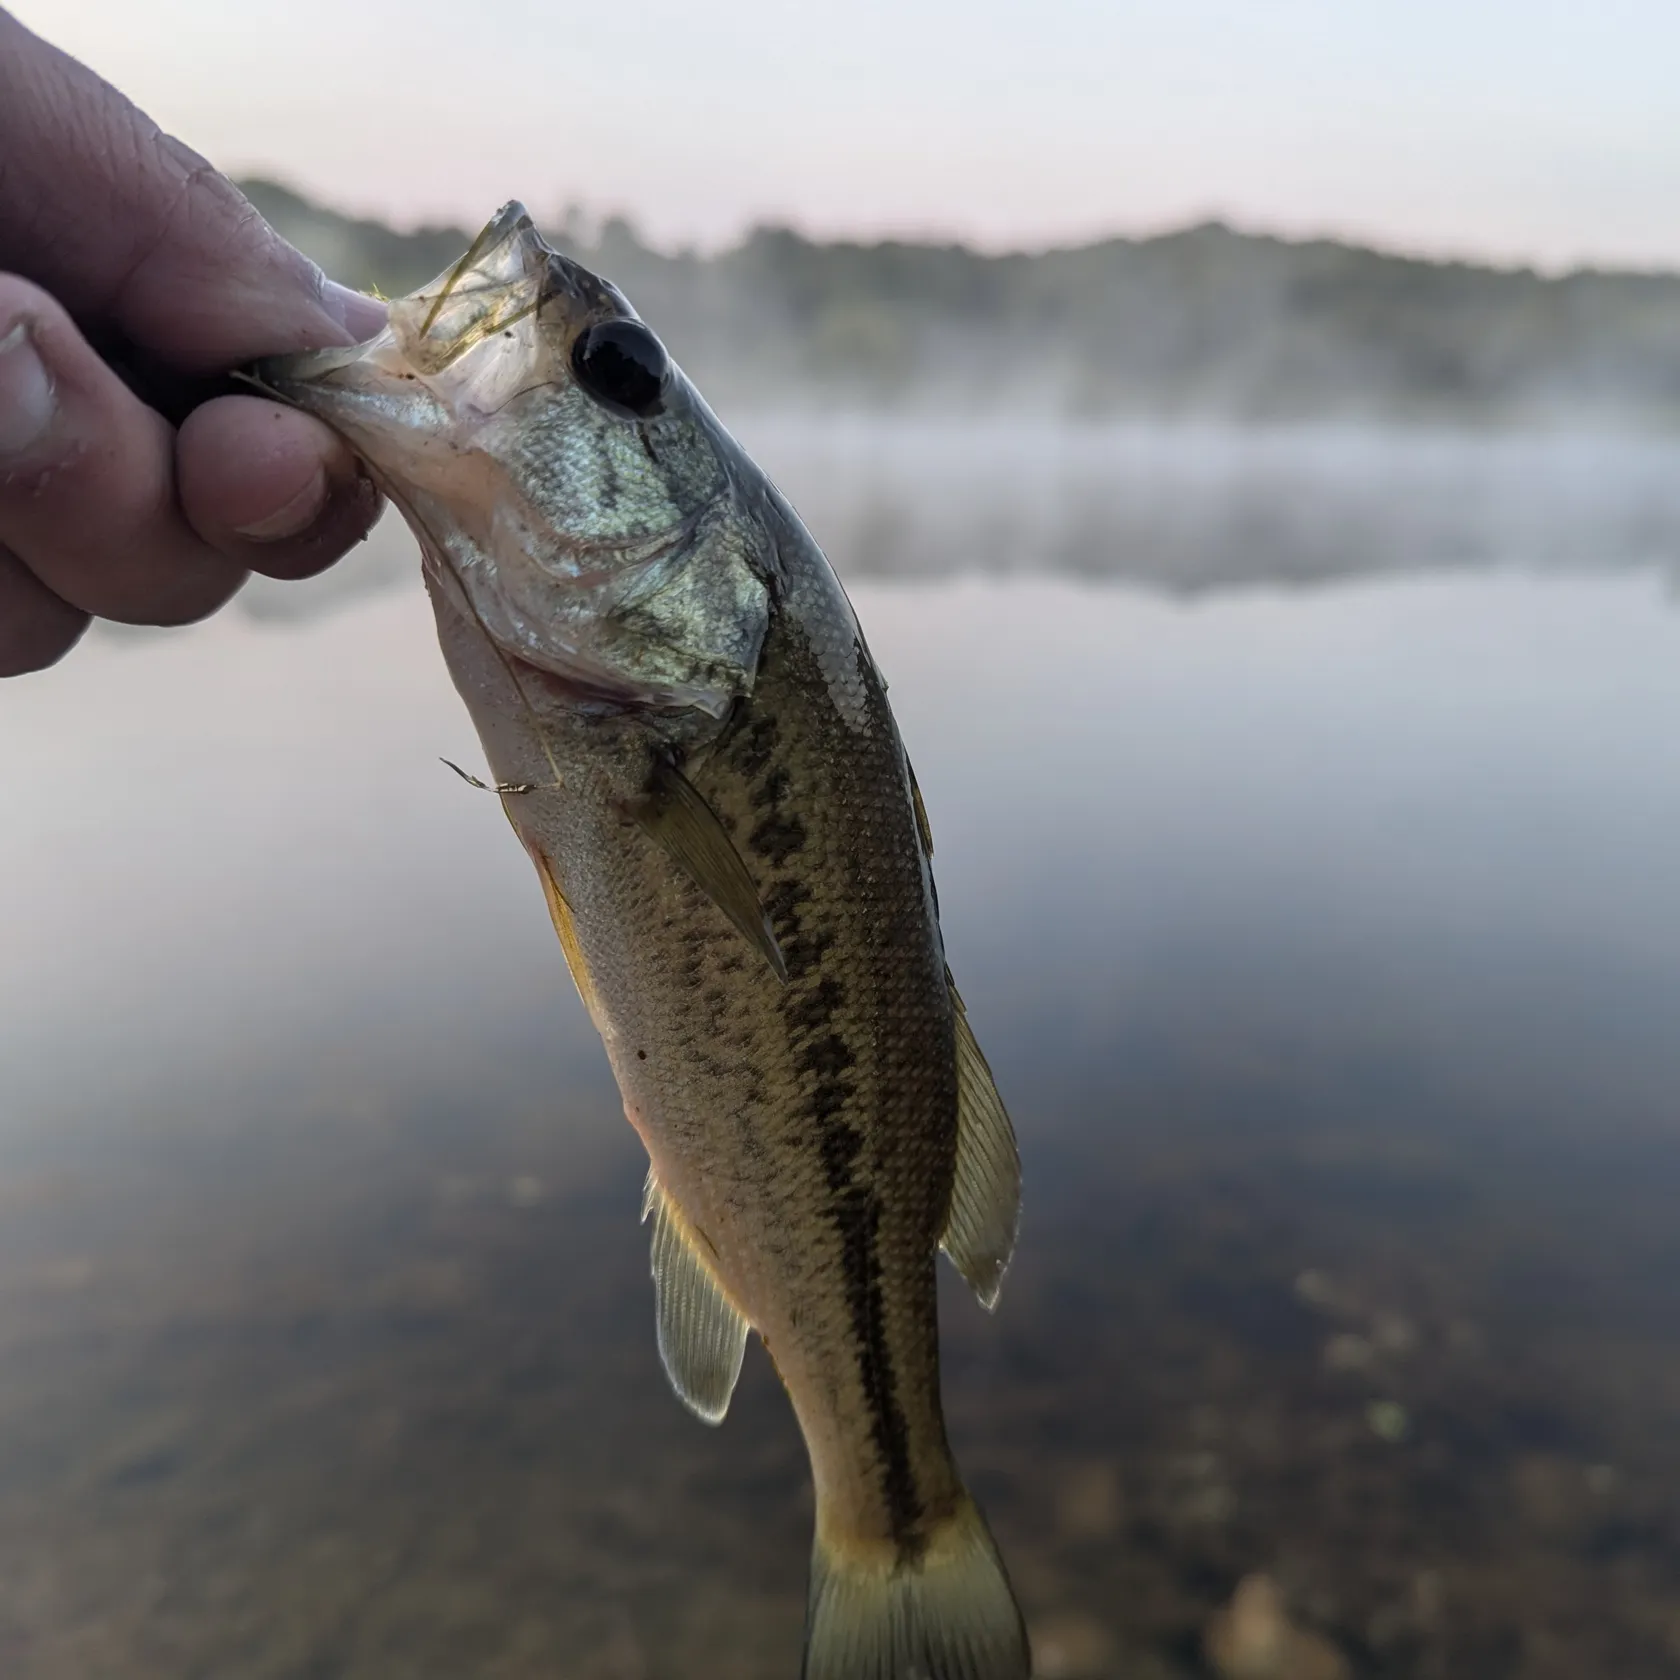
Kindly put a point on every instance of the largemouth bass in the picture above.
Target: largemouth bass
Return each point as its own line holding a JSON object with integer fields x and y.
{"x": 693, "y": 743}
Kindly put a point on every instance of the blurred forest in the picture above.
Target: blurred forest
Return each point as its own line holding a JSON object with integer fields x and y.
{"x": 1204, "y": 323}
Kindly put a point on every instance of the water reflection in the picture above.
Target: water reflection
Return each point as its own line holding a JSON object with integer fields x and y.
{"x": 1326, "y": 947}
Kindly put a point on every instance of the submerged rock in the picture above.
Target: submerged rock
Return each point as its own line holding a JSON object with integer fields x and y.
{"x": 1254, "y": 1639}
{"x": 1071, "y": 1646}
{"x": 1089, "y": 1505}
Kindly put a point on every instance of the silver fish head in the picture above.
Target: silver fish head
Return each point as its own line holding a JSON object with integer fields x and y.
{"x": 572, "y": 495}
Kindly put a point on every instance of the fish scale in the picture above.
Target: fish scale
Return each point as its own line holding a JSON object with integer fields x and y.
{"x": 695, "y": 747}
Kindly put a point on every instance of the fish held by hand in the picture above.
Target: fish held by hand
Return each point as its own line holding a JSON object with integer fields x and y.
{"x": 695, "y": 748}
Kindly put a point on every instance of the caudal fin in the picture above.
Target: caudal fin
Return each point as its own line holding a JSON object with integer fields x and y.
{"x": 946, "y": 1613}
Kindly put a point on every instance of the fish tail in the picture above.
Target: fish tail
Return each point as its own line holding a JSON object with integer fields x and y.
{"x": 942, "y": 1610}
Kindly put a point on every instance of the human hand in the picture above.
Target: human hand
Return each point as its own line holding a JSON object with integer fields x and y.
{"x": 114, "y": 235}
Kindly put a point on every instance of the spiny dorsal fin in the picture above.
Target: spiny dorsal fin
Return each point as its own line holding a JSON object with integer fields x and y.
{"x": 702, "y": 1337}
{"x": 986, "y": 1195}
{"x": 685, "y": 827}
{"x": 924, "y": 828}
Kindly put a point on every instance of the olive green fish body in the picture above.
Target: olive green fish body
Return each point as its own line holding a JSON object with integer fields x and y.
{"x": 694, "y": 745}
{"x": 807, "y": 1130}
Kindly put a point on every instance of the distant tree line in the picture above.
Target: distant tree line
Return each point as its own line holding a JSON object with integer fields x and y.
{"x": 1205, "y": 323}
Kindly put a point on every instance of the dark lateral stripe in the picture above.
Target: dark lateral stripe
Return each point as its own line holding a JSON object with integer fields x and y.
{"x": 856, "y": 1215}
{"x": 809, "y": 1006}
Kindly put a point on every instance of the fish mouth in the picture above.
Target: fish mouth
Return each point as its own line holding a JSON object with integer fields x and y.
{"x": 511, "y": 537}
{"x": 501, "y": 278}
{"x": 412, "y": 400}
{"x": 505, "y": 275}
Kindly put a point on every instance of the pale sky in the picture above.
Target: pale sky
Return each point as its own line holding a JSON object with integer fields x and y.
{"x": 1518, "y": 130}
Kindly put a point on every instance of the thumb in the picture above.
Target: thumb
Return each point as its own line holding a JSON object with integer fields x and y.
{"x": 139, "y": 236}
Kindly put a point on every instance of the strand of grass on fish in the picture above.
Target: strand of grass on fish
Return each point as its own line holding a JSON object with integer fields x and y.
{"x": 695, "y": 747}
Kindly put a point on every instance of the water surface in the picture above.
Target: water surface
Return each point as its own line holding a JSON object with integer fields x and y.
{"x": 1326, "y": 943}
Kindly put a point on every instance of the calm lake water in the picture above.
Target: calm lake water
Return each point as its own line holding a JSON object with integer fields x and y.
{"x": 1308, "y": 814}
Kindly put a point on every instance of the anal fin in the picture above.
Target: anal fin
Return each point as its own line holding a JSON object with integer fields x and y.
{"x": 702, "y": 1335}
{"x": 986, "y": 1194}
{"x": 684, "y": 826}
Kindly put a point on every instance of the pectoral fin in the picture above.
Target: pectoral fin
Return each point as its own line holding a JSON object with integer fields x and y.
{"x": 685, "y": 827}
{"x": 986, "y": 1196}
{"x": 702, "y": 1336}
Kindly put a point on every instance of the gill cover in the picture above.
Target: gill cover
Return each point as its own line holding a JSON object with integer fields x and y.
{"x": 571, "y": 494}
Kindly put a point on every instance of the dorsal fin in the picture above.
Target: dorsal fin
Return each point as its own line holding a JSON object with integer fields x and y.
{"x": 702, "y": 1336}
{"x": 924, "y": 829}
{"x": 684, "y": 826}
{"x": 986, "y": 1194}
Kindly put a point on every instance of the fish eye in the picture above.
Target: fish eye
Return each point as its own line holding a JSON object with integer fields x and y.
{"x": 622, "y": 366}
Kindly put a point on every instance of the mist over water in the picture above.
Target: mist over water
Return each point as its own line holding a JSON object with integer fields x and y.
{"x": 1325, "y": 941}
{"x": 1192, "y": 508}
{"x": 1179, "y": 509}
